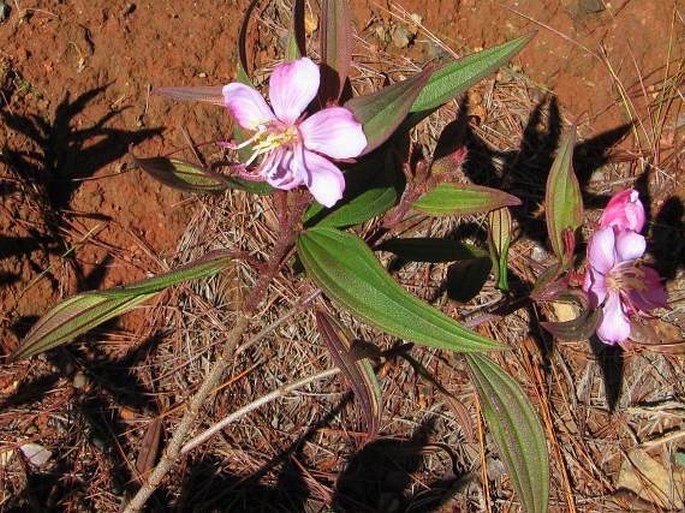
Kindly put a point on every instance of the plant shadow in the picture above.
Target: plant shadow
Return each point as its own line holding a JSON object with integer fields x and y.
{"x": 206, "y": 489}
{"x": 95, "y": 433}
{"x": 56, "y": 155}
{"x": 379, "y": 478}
{"x": 63, "y": 156}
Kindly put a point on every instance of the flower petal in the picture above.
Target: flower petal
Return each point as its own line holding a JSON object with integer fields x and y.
{"x": 651, "y": 294}
{"x": 600, "y": 251}
{"x": 324, "y": 180}
{"x": 246, "y": 105}
{"x": 615, "y": 326}
{"x": 595, "y": 285}
{"x": 292, "y": 86}
{"x": 334, "y": 132}
{"x": 629, "y": 245}
{"x": 624, "y": 210}
{"x": 277, "y": 169}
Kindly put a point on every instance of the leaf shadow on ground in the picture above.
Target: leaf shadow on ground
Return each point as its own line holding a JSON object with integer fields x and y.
{"x": 523, "y": 172}
{"x": 666, "y": 240}
{"x": 53, "y": 160}
{"x": 610, "y": 361}
{"x": 94, "y": 433}
{"x": 379, "y": 478}
{"x": 207, "y": 487}
{"x": 62, "y": 156}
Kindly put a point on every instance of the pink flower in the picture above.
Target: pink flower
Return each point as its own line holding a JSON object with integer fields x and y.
{"x": 619, "y": 283}
{"x": 295, "y": 151}
{"x": 624, "y": 211}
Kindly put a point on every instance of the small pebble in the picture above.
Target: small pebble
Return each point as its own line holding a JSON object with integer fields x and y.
{"x": 80, "y": 380}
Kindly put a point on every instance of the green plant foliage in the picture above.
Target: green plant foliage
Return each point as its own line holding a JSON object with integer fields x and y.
{"x": 499, "y": 239}
{"x": 182, "y": 175}
{"x": 359, "y": 371}
{"x": 359, "y": 209}
{"x": 336, "y": 47}
{"x": 563, "y": 201}
{"x": 448, "y": 199}
{"x": 456, "y": 77}
{"x": 79, "y": 314}
{"x": 382, "y": 112}
{"x": 348, "y": 271}
{"x": 516, "y": 430}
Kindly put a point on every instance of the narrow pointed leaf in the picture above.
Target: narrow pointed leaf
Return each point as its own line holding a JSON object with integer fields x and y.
{"x": 82, "y": 312}
{"x": 516, "y": 430}
{"x": 499, "y": 239}
{"x": 549, "y": 284}
{"x": 360, "y": 209}
{"x": 382, "y": 112}
{"x": 359, "y": 372}
{"x": 182, "y": 175}
{"x": 456, "y": 77}
{"x": 426, "y": 249}
{"x": 448, "y": 199}
{"x": 563, "y": 201}
{"x": 206, "y": 94}
{"x": 336, "y": 47}
{"x": 295, "y": 47}
{"x": 349, "y": 273}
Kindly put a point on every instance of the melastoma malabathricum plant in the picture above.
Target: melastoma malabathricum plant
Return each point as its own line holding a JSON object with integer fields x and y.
{"x": 295, "y": 149}
{"x": 616, "y": 279}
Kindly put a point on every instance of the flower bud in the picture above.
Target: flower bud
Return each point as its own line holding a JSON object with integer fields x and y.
{"x": 624, "y": 211}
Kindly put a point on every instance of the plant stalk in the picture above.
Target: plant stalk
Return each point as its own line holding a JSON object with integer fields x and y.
{"x": 174, "y": 446}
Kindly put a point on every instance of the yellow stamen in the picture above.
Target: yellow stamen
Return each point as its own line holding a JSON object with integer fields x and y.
{"x": 268, "y": 138}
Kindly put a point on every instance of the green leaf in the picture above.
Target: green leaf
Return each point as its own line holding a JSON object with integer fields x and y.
{"x": 182, "y": 175}
{"x": 368, "y": 193}
{"x": 359, "y": 209}
{"x": 456, "y": 77}
{"x": 382, "y": 112}
{"x": 516, "y": 430}
{"x": 563, "y": 201}
{"x": 499, "y": 239}
{"x": 348, "y": 272}
{"x": 296, "y": 45}
{"x": 426, "y": 249}
{"x": 448, "y": 199}
{"x": 466, "y": 278}
{"x": 336, "y": 48}
{"x": 358, "y": 371}
{"x": 78, "y": 314}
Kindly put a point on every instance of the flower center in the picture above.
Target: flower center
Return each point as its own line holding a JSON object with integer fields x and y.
{"x": 626, "y": 276}
{"x": 268, "y": 137}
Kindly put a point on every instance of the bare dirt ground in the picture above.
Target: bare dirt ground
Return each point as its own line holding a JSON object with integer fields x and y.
{"x": 75, "y": 83}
